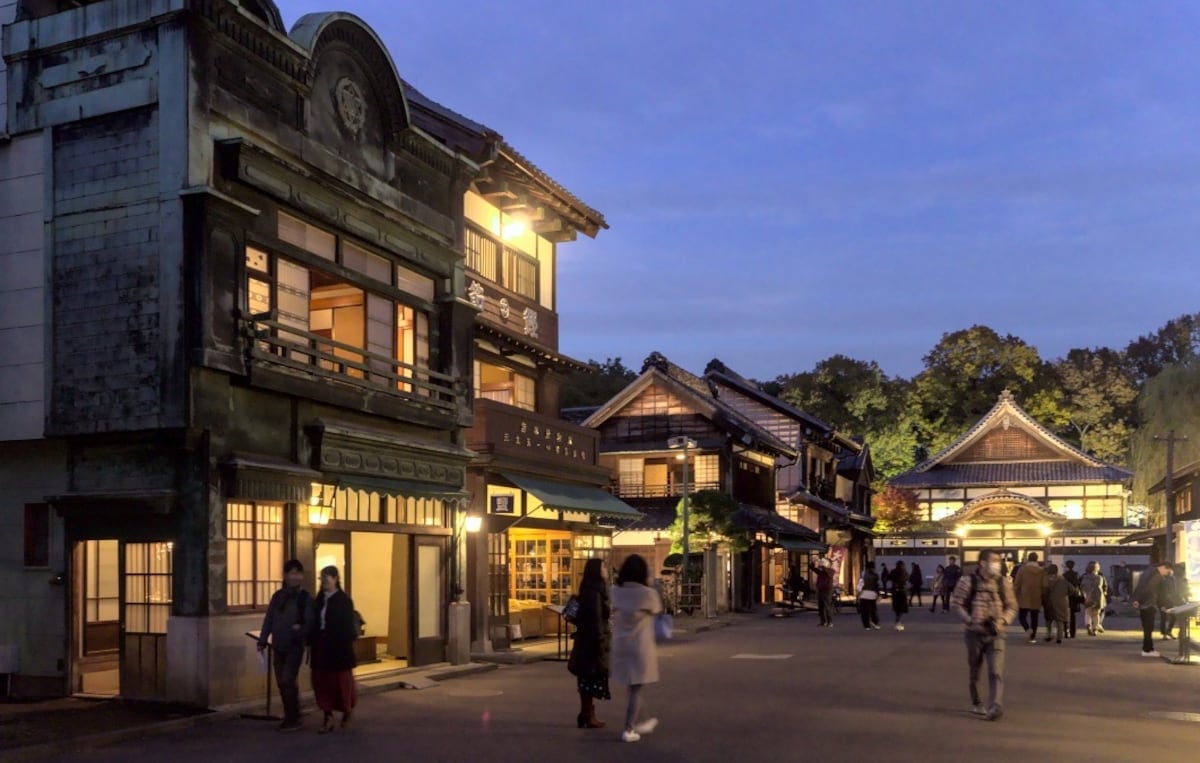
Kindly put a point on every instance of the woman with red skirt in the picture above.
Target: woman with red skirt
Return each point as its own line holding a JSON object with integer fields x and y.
{"x": 334, "y": 630}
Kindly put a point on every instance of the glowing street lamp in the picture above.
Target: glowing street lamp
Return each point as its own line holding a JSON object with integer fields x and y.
{"x": 320, "y": 504}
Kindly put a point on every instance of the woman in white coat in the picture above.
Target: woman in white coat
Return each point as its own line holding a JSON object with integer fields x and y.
{"x": 634, "y": 653}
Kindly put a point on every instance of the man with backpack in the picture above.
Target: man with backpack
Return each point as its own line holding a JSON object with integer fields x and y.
{"x": 986, "y": 603}
{"x": 286, "y": 624}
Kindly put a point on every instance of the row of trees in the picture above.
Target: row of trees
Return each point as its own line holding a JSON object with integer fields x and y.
{"x": 1107, "y": 401}
{"x": 1092, "y": 397}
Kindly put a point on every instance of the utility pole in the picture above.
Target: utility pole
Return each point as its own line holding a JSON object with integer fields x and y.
{"x": 1169, "y": 493}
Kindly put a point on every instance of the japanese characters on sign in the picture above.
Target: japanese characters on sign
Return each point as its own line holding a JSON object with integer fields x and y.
{"x": 546, "y": 439}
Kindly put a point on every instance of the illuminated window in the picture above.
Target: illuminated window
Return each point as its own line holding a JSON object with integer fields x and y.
{"x": 505, "y": 385}
{"x": 254, "y": 553}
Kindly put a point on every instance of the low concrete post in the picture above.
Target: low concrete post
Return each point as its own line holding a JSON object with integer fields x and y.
{"x": 458, "y": 645}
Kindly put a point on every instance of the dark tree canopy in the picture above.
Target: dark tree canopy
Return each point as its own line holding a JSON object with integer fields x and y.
{"x": 596, "y": 385}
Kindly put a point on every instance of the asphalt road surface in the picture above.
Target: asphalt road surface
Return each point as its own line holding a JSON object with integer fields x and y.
{"x": 765, "y": 690}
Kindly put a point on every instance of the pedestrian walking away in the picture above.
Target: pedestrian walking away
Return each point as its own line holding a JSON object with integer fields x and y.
{"x": 868, "y": 597}
{"x": 1145, "y": 600}
{"x": 335, "y": 627}
{"x": 1028, "y": 584}
{"x": 986, "y": 604}
{"x": 1076, "y": 596}
{"x": 916, "y": 582}
{"x": 899, "y": 593}
{"x": 938, "y": 588}
{"x": 589, "y": 660}
{"x": 634, "y": 652}
{"x": 824, "y": 571}
{"x": 1095, "y": 597}
{"x": 952, "y": 575}
{"x": 1056, "y": 597}
{"x": 285, "y": 629}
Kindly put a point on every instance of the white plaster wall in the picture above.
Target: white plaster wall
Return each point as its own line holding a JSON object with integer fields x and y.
{"x": 22, "y": 289}
{"x": 31, "y": 609}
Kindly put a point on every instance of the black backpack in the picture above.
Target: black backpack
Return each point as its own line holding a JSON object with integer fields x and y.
{"x": 970, "y": 600}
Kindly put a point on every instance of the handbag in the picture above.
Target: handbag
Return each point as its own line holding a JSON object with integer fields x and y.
{"x": 571, "y": 610}
{"x": 664, "y": 627}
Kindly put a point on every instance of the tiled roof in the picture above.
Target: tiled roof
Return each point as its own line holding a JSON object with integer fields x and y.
{"x": 417, "y": 98}
{"x": 1181, "y": 474}
{"x": 828, "y": 508}
{"x": 757, "y": 519}
{"x": 727, "y": 375}
{"x": 655, "y": 518}
{"x": 1010, "y": 473}
{"x": 702, "y": 387}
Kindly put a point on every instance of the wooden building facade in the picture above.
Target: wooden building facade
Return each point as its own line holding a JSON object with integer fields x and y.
{"x": 732, "y": 454}
{"x": 1011, "y": 485}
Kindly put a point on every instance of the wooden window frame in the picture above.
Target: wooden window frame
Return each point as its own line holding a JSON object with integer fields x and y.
{"x": 260, "y": 590}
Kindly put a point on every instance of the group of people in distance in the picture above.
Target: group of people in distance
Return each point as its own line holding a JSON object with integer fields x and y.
{"x": 906, "y": 585}
{"x": 1059, "y": 596}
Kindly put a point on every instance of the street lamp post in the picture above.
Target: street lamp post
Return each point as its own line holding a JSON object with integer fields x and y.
{"x": 687, "y": 444}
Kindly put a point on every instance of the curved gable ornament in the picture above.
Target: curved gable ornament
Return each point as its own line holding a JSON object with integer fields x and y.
{"x": 1004, "y": 506}
{"x": 370, "y": 84}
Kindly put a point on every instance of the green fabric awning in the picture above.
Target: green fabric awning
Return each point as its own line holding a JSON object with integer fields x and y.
{"x": 567, "y": 497}
{"x": 800, "y": 544}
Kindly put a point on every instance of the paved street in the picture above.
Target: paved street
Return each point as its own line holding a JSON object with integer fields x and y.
{"x": 776, "y": 690}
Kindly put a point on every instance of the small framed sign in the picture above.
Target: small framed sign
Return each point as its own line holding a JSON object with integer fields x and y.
{"x": 504, "y": 504}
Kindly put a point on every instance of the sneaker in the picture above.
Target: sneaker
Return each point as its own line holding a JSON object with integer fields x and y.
{"x": 978, "y": 710}
{"x": 645, "y": 727}
{"x": 287, "y": 726}
{"x": 899, "y": 626}
{"x": 1100, "y": 629}
{"x": 875, "y": 626}
{"x": 995, "y": 713}
{"x": 1033, "y": 640}
{"x": 866, "y": 627}
{"x": 630, "y": 736}
{"x": 1151, "y": 653}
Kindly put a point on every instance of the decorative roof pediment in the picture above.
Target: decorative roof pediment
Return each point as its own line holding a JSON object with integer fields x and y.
{"x": 1007, "y": 434}
{"x": 1005, "y": 506}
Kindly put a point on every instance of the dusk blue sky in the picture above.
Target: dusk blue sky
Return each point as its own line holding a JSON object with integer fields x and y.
{"x": 789, "y": 180}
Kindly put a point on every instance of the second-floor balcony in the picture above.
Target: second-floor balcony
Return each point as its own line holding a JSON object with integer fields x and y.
{"x": 310, "y": 356}
{"x": 665, "y": 490}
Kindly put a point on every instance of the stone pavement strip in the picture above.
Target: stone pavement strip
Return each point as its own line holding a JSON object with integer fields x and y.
{"x": 773, "y": 689}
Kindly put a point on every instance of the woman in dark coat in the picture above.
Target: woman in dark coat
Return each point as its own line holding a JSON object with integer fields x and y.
{"x": 900, "y": 593}
{"x": 334, "y": 629}
{"x": 593, "y": 639}
{"x": 916, "y": 583}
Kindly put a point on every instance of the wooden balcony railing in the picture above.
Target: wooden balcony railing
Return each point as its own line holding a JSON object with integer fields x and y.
{"x": 662, "y": 491}
{"x": 277, "y": 344}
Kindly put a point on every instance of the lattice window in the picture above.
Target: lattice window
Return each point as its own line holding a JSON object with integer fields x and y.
{"x": 254, "y": 553}
{"x": 481, "y": 254}
{"x": 147, "y": 587}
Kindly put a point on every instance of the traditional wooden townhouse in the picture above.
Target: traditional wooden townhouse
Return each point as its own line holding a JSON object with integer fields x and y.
{"x": 726, "y": 452}
{"x": 1010, "y": 484}
{"x": 538, "y": 487}
{"x": 826, "y": 488}
{"x": 1185, "y": 494}
{"x": 244, "y": 335}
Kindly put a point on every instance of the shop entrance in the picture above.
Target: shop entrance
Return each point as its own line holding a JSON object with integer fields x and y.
{"x": 121, "y": 600}
{"x": 397, "y": 582}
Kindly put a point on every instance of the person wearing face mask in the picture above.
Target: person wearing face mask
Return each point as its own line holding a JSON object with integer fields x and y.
{"x": 986, "y": 604}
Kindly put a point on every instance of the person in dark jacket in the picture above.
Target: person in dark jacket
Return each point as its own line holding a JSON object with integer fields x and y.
{"x": 868, "y": 597}
{"x": 1056, "y": 603}
{"x": 1076, "y": 597}
{"x": 899, "y": 593}
{"x": 824, "y": 573}
{"x": 334, "y": 629}
{"x": 593, "y": 640}
{"x": 916, "y": 583}
{"x": 950, "y": 579}
{"x": 285, "y": 627}
{"x": 1145, "y": 599}
{"x": 1168, "y": 597}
